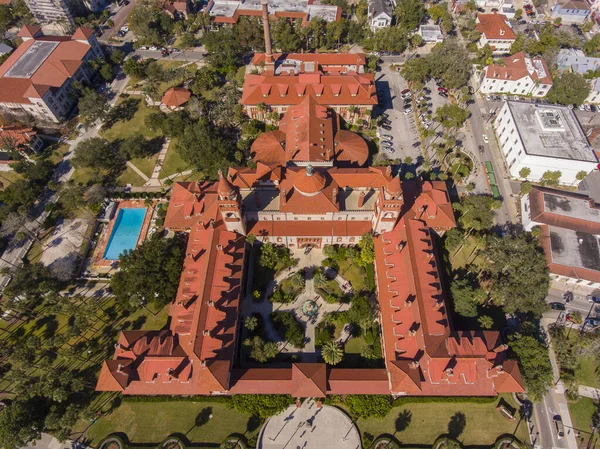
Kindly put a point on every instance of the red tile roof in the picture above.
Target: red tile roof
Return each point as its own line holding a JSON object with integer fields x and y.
{"x": 516, "y": 67}
{"x": 61, "y": 64}
{"x": 495, "y": 26}
{"x": 354, "y": 89}
{"x": 326, "y": 61}
{"x": 175, "y": 97}
{"x": 19, "y": 135}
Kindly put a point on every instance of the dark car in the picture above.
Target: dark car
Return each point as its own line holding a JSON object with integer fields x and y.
{"x": 557, "y": 306}
{"x": 480, "y": 149}
{"x": 405, "y": 91}
{"x": 443, "y": 94}
{"x": 592, "y": 322}
{"x": 387, "y": 127}
{"x": 593, "y": 299}
{"x": 406, "y": 106}
{"x": 522, "y": 22}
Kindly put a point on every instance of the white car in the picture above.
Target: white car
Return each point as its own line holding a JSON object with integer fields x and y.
{"x": 485, "y": 138}
{"x": 407, "y": 111}
{"x": 153, "y": 49}
{"x": 125, "y": 29}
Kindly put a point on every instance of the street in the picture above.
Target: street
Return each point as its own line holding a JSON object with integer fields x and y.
{"x": 119, "y": 19}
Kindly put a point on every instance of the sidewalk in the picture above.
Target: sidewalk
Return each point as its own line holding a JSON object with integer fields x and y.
{"x": 589, "y": 392}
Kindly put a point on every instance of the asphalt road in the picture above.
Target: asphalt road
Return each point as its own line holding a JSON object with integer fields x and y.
{"x": 119, "y": 19}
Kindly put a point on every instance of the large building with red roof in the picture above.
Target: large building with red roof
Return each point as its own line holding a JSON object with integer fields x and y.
{"x": 36, "y": 78}
{"x": 496, "y": 32}
{"x": 308, "y": 189}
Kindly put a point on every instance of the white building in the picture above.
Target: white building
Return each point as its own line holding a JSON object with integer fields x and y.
{"x": 431, "y": 33}
{"x": 570, "y": 224}
{"x": 518, "y": 75}
{"x": 36, "y": 78}
{"x": 496, "y": 32}
{"x": 570, "y": 11}
{"x": 381, "y": 13}
{"x": 543, "y": 138}
{"x": 576, "y": 61}
{"x": 51, "y": 12}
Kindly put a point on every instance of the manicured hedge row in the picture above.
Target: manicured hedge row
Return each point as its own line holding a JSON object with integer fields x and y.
{"x": 450, "y": 399}
{"x": 221, "y": 399}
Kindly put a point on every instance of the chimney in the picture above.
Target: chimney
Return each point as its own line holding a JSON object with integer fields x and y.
{"x": 334, "y": 195}
{"x": 283, "y": 197}
{"x": 211, "y": 303}
{"x": 412, "y": 333}
{"x": 206, "y": 333}
{"x": 361, "y": 199}
{"x": 265, "y": 16}
{"x": 449, "y": 372}
{"x": 220, "y": 248}
{"x": 438, "y": 305}
{"x": 414, "y": 364}
{"x": 120, "y": 368}
{"x": 388, "y": 170}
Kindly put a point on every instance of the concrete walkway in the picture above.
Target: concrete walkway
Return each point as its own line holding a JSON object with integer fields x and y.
{"x": 138, "y": 171}
{"x": 589, "y": 392}
{"x": 310, "y": 262}
{"x": 154, "y": 181}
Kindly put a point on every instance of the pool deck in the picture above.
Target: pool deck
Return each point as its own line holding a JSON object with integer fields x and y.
{"x": 98, "y": 261}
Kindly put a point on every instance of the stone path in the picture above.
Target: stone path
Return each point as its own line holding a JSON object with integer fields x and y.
{"x": 310, "y": 262}
{"x": 175, "y": 175}
{"x": 154, "y": 181}
{"x": 138, "y": 171}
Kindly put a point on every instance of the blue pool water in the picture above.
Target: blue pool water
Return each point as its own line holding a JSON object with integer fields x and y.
{"x": 125, "y": 232}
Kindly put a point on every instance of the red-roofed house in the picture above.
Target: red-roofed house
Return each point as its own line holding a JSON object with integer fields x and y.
{"x": 496, "y": 32}
{"x": 36, "y": 78}
{"x": 19, "y": 137}
{"x": 519, "y": 74}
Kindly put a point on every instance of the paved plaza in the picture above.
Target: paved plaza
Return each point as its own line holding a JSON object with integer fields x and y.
{"x": 309, "y": 427}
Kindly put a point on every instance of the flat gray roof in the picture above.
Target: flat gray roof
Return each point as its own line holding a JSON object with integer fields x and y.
{"x": 550, "y": 131}
{"x": 327, "y": 13}
{"x": 31, "y": 60}
{"x": 574, "y": 249}
{"x": 569, "y": 206}
{"x": 224, "y": 8}
{"x": 278, "y": 5}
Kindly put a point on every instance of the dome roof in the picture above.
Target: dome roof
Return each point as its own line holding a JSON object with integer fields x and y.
{"x": 268, "y": 148}
{"x": 225, "y": 188}
{"x": 351, "y": 149}
{"x": 309, "y": 182}
{"x": 394, "y": 187}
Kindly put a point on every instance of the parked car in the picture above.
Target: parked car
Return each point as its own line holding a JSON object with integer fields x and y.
{"x": 387, "y": 127}
{"x": 388, "y": 136}
{"x": 408, "y": 111}
{"x": 592, "y": 322}
{"x": 481, "y": 149}
{"x": 442, "y": 89}
{"x": 557, "y": 306}
{"x": 405, "y": 91}
{"x": 522, "y": 22}
{"x": 406, "y": 106}
{"x": 485, "y": 138}
{"x": 593, "y": 299}
{"x": 559, "y": 427}
{"x": 443, "y": 94}
{"x": 153, "y": 49}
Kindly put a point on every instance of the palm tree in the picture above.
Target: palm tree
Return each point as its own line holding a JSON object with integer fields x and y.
{"x": 332, "y": 353}
{"x": 319, "y": 279}
{"x": 297, "y": 280}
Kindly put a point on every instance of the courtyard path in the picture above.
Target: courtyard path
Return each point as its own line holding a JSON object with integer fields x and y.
{"x": 154, "y": 181}
{"x": 310, "y": 262}
{"x": 138, "y": 171}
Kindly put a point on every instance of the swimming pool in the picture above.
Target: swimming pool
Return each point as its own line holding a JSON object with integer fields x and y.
{"x": 125, "y": 232}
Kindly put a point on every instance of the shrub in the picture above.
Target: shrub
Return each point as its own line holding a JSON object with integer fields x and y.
{"x": 367, "y": 406}
{"x": 289, "y": 328}
{"x": 262, "y": 405}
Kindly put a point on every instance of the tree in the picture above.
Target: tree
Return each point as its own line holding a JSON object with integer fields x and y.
{"x": 367, "y": 250}
{"x": 517, "y": 272}
{"x": 524, "y": 172}
{"x": 368, "y": 405}
{"x": 97, "y": 153}
{"x": 409, "y": 14}
{"x": 29, "y": 285}
{"x": 534, "y": 364}
{"x": 285, "y": 37}
{"x": 450, "y": 62}
{"x": 251, "y": 323}
{"x": 526, "y": 188}
{"x": 93, "y": 105}
{"x": 150, "y": 24}
{"x": 362, "y": 312}
{"x": 250, "y": 239}
{"x": 476, "y": 211}
{"x": 273, "y": 256}
{"x": 485, "y": 321}
{"x": 332, "y": 353}
{"x": 440, "y": 13}
{"x": 466, "y": 296}
{"x": 416, "y": 70}
{"x": 136, "y": 146}
{"x": 260, "y": 350}
{"x": 20, "y": 423}
{"x": 6, "y": 17}
{"x": 297, "y": 279}
{"x": 569, "y": 88}
{"x": 206, "y": 78}
{"x": 149, "y": 273}
{"x": 518, "y": 14}
{"x": 551, "y": 178}
{"x": 592, "y": 46}
{"x": 580, "y": 176}
{"x": 117, "y": 56}
{"x": 451, "y": 115}
{"x": 135, "y": 68}
{"x": 261, "y": 405}
{"x": 319, "y": 279}
{"x": 225, "y": 52}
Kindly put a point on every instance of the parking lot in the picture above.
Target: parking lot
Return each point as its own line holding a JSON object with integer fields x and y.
{"x": 403, "y": 128}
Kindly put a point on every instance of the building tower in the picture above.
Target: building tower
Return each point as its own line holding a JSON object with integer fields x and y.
{"x": 388, "y": 207}
{"x": 265, "y": 17}
{"x": 230, "y": 205}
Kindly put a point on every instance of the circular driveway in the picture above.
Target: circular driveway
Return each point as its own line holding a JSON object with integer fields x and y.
{"x": 309, "y": 427}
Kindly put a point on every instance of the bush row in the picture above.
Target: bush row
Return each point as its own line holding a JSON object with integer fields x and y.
{"x": 220, "y": 399}
{"x": 126, "y": 195}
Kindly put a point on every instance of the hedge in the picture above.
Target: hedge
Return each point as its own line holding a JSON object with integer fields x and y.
{"x": 370, "y": 277}
{"x": 220, "y": 399}
{"x": 447, "y": 399}
{"x": 113, "y": 437}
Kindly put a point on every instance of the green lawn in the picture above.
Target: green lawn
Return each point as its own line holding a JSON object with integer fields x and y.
{"x": 581, "y": 415}
{"x": 123, "y": 129}
{"x": 58, "y": 152}
{"x": 152, "y": 422}
{"x": 430, "y": 420}
{"x": 586, "y": 372}
{"x": 130, "y": 177}
{"x": 355, "y": 345}
{"x": 8, "y": 177}
{"x": 354, "y": 274}
{"x": 466, "y": 255}
{"x": 173, "y": 163}
{"x": 145, "y": 164}
{"x": 288, "y": 287}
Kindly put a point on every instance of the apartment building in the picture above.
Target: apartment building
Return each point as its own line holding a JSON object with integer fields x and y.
{"x": 36, "y": 78}
{"x": 496, "y": 32}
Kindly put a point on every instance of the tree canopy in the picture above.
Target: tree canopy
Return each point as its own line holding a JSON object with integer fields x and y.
{"x": 570, "y": 88}
{"x": 476, "y": 211}
{"x": 534, "y": 364}
{"x": 518, "y": 275}
{"x": 409, "y": 14}
{"x": 93, "y": 105}
{"x": 150, "y": 273}
{"x": 261, "y": 405}
{"x": 451, "y": 115}
{"x": 150, "y": 24}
